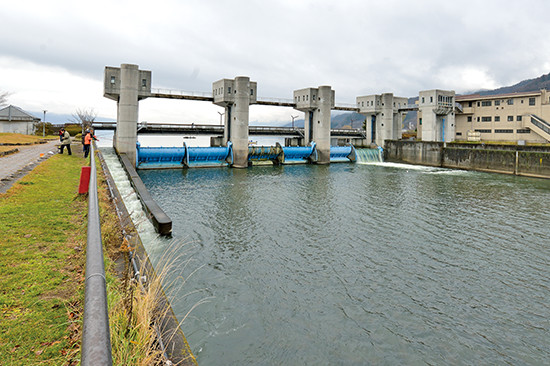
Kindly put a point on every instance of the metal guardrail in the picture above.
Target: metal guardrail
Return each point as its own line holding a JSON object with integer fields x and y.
{"x": 275, "y": 100}
{"x": 182, "y": 93}
{"x": 96, "y": 340}
{"x": 346, "y": 105}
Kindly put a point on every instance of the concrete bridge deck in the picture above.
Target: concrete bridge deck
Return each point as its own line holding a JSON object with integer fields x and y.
{"x": 194, "y": 129}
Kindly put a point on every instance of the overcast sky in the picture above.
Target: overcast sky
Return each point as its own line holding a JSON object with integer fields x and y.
{"x": 53, "y": 53}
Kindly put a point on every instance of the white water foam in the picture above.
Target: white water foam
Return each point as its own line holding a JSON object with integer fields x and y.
{"x": 145, "y": 228}
{"x": 423, "y": 168}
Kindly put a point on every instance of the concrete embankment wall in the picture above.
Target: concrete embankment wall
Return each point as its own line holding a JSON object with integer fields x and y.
{"x": 160, "y": 220}
{"x": 175, "y": 344}
{"x": 531, "y": 161}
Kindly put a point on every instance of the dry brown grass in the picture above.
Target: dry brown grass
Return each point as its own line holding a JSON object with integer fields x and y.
{"x": 17, "y": 138}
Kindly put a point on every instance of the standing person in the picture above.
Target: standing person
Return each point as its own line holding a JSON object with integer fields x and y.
{"x": 88, "y": 137}
{"x": 65, "y": 141}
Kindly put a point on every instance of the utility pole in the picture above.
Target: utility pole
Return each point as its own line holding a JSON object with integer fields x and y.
{"x": 44, "y": 124}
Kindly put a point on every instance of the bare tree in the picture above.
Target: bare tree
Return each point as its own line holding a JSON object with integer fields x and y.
{"x": 4, "y": 98}
{"x": 84, "y": 117}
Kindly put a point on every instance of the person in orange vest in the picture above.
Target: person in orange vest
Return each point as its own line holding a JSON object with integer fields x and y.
{"x": 88, "y": 137}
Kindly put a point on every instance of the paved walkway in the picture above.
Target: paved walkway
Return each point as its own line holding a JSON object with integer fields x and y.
{"x": 15, "y": 166}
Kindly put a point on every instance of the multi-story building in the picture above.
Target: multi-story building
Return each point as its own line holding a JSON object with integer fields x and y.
{"x": 505, "y": 117}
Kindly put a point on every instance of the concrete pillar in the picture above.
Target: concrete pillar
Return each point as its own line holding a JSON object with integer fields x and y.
{"x": 127, "y": 111}
{"x": 308, "y": 127}
{"x": 321, "y": 124}
{"x": 384, "y": 123}
{"x": 227, "y": 125}
{"x": 239, "y": 122}
{"x": 450, "y": 127}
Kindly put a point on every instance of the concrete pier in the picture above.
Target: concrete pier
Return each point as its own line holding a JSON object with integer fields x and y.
{"x": 127, "y": 85}
{"x": 436, "y": 115}
{"x": 317, "y": 104}
{"x": 236, "y": 96}
{"x": 383, "y": 116}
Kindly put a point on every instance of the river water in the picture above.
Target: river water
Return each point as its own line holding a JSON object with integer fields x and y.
{"x": 353, "y": 264}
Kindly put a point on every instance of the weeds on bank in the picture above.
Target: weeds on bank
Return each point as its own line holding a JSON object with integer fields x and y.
{"x": 137, "y": 310}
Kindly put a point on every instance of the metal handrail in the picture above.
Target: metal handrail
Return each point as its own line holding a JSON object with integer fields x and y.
{"x": 96, "y": 340}
{"x": 275, "y": 100}
{"x": 346, "y": 105}
{"x": 540, "y": 123}
{"x": 182, "y": 92}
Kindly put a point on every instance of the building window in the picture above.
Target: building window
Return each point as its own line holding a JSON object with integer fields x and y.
{"x": 420, "y": 121}
{"x": 497, "y": 102}
{"x": 478, "y": 119}
{"x": 504, "y": 131}
{"x": 469, "y": 118}
{"x": 497, "y": 118}
{"x": 251, "y": 91}
{"x": 486, "y": 119}
{"x": 469, "y": 104}
{"x": 510, "y": 102}
{"x": 518, "y": 118}
{"x": 531, "y": 101}
{"x": 431, "y": 99}
{"x": 486, "y": 103}
{"x": 522, "y": 101}
{"x": 510, "y": 118}
{"x": 478, "y": 104}
{"x": 422, "y": 99}
{"x": 459, "y": 133}
{"x": 483, "y": 131}
{"x": 229, "y": 90}
{"x": 362, "y": 104}
{"x": 523, "y": 130}
{"x": 144, "y": 82}
{"x": 113, "y": 79}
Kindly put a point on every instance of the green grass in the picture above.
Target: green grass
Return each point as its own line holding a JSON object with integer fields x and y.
{"x": 43, "y": 225}
{"x": 41, "y": 265}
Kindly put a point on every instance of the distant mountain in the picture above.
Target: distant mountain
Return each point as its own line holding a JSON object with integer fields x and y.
{"x": 59, "y": 118}
{"x": 340, "y": 120}
{"x": 542, "y": 82}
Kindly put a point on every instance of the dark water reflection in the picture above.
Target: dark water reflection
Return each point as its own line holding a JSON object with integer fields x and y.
{"x": 361, "y": 264}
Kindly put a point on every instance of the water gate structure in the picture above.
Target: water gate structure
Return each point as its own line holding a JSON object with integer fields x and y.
{"x": 127, "y": 85}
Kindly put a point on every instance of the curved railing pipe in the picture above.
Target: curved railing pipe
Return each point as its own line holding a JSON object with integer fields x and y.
{"x": 96, "y": 341}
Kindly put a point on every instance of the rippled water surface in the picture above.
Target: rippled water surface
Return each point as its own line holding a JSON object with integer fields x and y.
{"x": 360, "y": 264}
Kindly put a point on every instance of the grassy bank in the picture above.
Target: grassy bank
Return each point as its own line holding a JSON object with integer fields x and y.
{"x": 41, "y": 265}
{"x": 42, "y": 259}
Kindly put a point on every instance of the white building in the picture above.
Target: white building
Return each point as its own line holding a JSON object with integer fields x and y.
{"x": 16, "y": 120}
